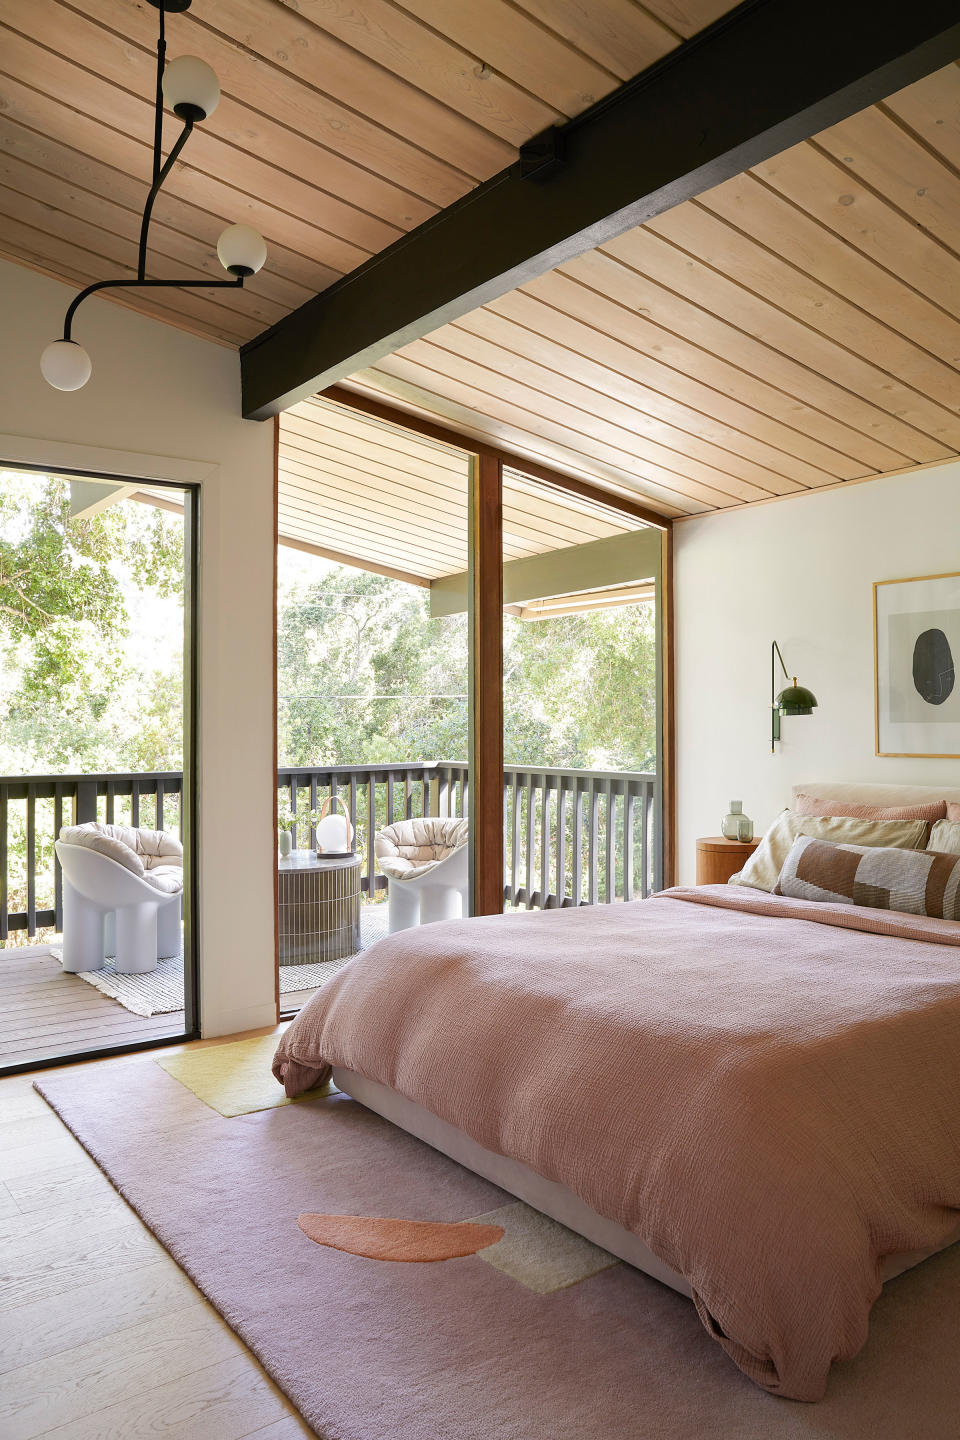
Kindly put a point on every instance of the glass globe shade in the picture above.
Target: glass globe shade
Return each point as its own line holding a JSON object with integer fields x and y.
{"x": 191, "y": 88}
{"x": 242, "y": 250}
{"x": 65, "y": 365}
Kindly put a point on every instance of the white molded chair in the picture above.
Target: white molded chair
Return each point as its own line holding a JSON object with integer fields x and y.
{"x": 426, "y": 865}
{"x": 122, "y": 891}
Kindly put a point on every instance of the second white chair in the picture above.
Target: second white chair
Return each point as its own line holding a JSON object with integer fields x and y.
{"x": 426, "y": 865}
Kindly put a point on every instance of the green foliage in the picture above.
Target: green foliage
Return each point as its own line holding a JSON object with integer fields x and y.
{"x": 73, "y": 694}
{"x": 367, "y": 677}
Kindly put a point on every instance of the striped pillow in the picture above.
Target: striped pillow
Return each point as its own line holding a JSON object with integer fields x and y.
{"x": 931, "y": 811}
{"x": 920, "y": 882}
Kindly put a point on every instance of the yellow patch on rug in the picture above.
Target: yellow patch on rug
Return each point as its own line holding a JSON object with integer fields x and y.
{"x": 234, "y": 1079}
{"x": 417, "y": 1241}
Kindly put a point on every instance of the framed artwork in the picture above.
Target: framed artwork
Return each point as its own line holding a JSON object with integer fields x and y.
{"x": 916, "y": 652}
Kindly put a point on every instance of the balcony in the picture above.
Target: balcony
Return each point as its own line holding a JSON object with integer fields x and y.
{"x": 572, "y": 837}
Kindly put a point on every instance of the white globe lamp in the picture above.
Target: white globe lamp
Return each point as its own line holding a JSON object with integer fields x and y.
{"x": 65, "y": 365}
{"x": 191, "y": 88}
{"x": 242, "y": 250}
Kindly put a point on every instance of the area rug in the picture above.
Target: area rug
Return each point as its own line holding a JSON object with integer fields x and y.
{"x": 233, "y": 1079}
{"x": 462, "y": 1349}
{"x": 160, "y": 991}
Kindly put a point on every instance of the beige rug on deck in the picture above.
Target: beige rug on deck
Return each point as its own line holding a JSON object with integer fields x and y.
{"x": 233, "y": 1079}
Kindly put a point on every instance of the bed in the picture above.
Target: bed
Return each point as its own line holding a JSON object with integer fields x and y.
{"x": 754, "y": 1099}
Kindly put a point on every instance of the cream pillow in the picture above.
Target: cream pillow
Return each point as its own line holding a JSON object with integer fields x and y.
{"x": 762, "y": 870}
{"x": 945, "y": 837}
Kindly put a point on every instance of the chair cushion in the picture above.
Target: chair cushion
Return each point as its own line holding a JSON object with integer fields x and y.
{"x": 167, "y": 878}
{"x": 412, "y": 847}
{"x": 140, "y": 851}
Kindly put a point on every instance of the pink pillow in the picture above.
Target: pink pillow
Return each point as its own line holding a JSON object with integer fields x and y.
{"x": 953, "y": 810}
{"x": 933, "y": 810}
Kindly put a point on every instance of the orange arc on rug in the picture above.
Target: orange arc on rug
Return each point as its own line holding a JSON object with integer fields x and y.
{"x": 409, "y": 1240}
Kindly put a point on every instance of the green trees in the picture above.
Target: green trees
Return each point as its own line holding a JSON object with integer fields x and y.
{"x": 91, "y": 630}
{"x": 365, "y": 676}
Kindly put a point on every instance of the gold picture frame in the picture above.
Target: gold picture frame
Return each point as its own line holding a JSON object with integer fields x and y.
{"x": 896, "y": 722}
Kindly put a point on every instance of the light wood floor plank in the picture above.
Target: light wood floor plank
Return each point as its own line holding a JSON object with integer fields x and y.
{"x": 34, "y": 1332}
{"x": 85, "y": 1283}
{"x": 226, "y": 1401}
{"x": 64, "y": 1388}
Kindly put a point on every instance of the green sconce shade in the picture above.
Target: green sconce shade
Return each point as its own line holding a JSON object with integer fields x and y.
{"x": 793, "y": 699}
{"x": 796, "y": 700}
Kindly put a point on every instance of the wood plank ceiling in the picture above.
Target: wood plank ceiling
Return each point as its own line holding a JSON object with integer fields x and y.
{"x": 358, "y": 489}
{"x": 797, "y": 326}
{"x": 340, "y": 128}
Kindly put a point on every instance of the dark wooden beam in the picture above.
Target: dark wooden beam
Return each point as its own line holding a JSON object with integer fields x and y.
{"x": 486, "y": 737}
{"x": 764, "y": 77}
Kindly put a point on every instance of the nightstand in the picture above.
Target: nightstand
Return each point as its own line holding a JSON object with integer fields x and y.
{"x": 719, "y": 858}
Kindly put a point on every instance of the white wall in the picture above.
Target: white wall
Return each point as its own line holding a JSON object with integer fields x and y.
{"x": 157, "y": 392}
{"x": 799, "y": 571}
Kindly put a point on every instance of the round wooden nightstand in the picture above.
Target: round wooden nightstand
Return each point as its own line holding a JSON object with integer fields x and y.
{"x": 719, "y": 858}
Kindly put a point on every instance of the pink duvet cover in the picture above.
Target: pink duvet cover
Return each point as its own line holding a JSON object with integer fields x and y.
{"x": 766, "y": 1091}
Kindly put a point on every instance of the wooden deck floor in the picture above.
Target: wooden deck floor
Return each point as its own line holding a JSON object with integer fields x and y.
{"x": 45, "y": 1014}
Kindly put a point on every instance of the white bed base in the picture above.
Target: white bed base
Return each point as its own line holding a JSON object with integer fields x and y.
{"x": 550, "y": 1198}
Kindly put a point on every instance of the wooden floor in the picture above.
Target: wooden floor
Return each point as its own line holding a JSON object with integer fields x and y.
{"x": 45, "y": 1013}
{"x": 101, "y": 1334}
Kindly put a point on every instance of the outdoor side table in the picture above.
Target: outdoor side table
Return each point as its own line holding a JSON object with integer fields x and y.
{"x": 319, "y": 904}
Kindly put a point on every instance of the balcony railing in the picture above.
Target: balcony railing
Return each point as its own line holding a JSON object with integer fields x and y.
{"x": 572, "y": 837}
{"x": 32, "y": 810}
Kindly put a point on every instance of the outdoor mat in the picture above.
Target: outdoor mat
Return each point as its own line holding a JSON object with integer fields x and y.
{"x": 233, "y": 1079}
{"x": 160, "y": 991}
{"x": 464, "y": 1348}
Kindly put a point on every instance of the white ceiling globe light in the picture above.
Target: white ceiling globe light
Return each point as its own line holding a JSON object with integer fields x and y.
{"x": 242, "y": 250}
{"x": 191, "y": 88}
{"x": 65, "y": 365}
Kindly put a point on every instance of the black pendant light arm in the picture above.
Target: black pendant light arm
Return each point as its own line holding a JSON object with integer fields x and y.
{"x": 160, "y": 174}
{"x": 147, "y": 285}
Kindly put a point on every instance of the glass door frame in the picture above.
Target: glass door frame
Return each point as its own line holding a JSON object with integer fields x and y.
{"x": 190, "y": 490}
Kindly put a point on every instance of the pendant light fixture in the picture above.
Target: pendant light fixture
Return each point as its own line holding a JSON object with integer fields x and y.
{"x": 191, "y": 89}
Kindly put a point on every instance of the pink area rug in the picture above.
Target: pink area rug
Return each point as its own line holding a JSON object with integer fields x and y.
{"x": 508, "y": 1343}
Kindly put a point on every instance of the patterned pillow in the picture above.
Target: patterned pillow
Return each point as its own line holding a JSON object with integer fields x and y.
{"x": 920, "y": 882}
{"x": 945, "y": 836}
{"x": 810, "y": 805}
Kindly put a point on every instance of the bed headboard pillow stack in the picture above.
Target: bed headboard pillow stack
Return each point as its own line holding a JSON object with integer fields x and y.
{"x": 945, "y": 837}
{"x": 918, "y": 882}
{"x": 810, "y": 805}
{"x": 762, "y": 870}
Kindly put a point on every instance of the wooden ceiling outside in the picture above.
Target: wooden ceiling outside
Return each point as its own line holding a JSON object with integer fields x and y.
{"x": 352, "y": 486}
{"x": 795, "y": 327}
{"x": 340, "y": 128}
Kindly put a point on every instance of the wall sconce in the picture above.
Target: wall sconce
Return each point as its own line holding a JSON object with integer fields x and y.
{"x": 793, "y": 699}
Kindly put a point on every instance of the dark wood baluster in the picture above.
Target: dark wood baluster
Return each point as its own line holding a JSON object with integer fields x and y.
{"x": 545, "y": 844}
{"x": 561, "y": 871}
{"x": 58, "y": 796}
{"x": 31, "y": 861}
{"x": 371, "y": 876}
{"x": 610, "y": 878}
{"x": 4, "y": 859}
{"x": 515, "y": 837}
{"x": 593, "y": 841}
{"x": 645, "y": 803}
{"x": 530, "y": 832}
{"x": 628, "y": 803}
{"x": 577, "y": 876}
